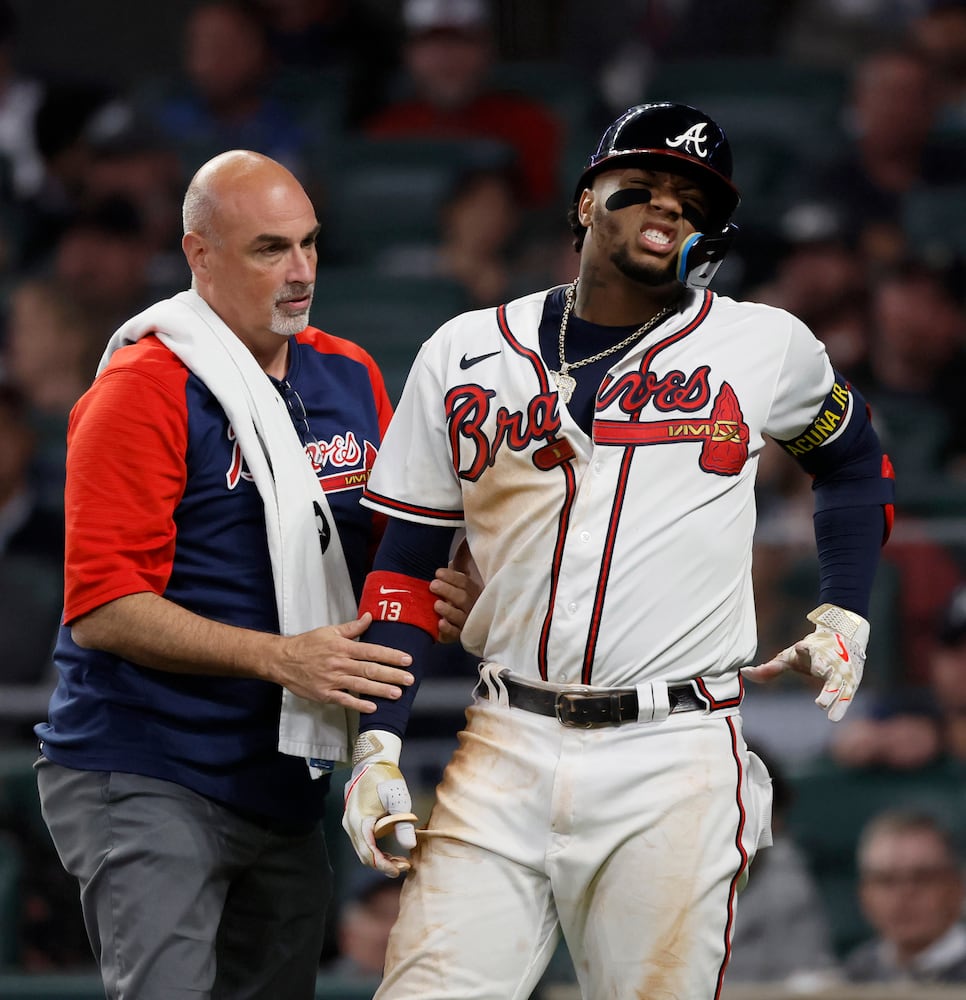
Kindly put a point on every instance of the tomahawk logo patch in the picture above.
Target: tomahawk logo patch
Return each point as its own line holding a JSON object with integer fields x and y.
{"x": 693, "y": 140}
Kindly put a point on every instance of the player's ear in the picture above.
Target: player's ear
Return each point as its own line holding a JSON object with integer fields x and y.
{"x": 585, "y": 207}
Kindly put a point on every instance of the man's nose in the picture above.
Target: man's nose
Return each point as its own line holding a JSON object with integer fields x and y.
{"x": 302, "y": 265}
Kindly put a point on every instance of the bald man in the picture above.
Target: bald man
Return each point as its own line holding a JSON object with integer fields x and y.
{"x": 215, "y": 553}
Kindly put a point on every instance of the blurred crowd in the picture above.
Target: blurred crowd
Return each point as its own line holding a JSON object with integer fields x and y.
{"x": 441, "y": 164}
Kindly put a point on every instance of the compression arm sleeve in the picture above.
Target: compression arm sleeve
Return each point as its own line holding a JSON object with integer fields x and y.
{"x": 854, "y": 492}
{"x": 414, "y": 550}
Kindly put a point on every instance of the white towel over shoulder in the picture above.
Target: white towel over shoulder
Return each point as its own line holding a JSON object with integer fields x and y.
{"x": 312, "y": 588}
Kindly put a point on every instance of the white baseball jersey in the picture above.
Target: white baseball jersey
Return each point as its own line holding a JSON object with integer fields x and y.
{"x": 621, "y": 558}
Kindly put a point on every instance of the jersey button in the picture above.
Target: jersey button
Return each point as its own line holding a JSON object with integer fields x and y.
{"x": 585, "y": 536}
{"x": 572, "y": 608}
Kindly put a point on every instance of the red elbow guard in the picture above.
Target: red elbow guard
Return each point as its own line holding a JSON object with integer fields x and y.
{"x": 395, "y": 597}
{"x": 888, "y": 472}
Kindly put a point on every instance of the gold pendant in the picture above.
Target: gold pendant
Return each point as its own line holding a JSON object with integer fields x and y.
{"x": 565, "y": 385}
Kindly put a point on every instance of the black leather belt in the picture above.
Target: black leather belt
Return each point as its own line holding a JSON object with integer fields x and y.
{"x": 587, "y": 709}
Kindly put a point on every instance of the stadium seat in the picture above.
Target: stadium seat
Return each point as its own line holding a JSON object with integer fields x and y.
{"x": 934, "y": 221}
{"x": 11, "y": 866}
{"x": 379, "y": 192}
{"x": 389, "y": 316}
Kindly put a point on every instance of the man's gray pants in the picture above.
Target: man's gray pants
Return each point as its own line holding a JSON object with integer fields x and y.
{"x": 182, "y": 897}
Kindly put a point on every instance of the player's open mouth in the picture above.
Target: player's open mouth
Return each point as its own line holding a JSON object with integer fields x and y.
{"x": 656, "y": 240}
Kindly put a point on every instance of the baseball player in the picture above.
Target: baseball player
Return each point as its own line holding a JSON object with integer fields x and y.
{"x": 599, "y": 443}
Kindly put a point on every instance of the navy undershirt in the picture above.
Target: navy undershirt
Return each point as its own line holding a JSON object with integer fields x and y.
{"x": 583, "y": 341}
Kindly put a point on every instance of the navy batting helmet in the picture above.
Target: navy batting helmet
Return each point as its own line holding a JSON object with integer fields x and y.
{"x": 671, "y": 137}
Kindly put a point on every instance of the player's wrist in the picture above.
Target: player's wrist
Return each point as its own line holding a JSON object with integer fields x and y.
{"x": 376, "y": 745}
{"x": 847, "y": 623}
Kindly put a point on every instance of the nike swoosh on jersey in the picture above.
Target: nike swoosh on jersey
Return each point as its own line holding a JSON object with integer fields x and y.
{"x": 393, "y": 590}
{"x": 466, "y": 362}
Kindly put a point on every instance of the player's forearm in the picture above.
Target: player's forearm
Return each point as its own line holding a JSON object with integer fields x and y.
{"x": 393, "y": 715}
{"x": 849, "y": 541}
{"x": 154, "y": 632}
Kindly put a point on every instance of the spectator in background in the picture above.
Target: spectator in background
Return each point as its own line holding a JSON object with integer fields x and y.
{"x": 131, "y": 160}
{"x": 352, "y": 40}
{"x": 912, "y": 892}
{"x": 226, "y": 101}
{"x": 901, "y": 731}
{"x": 61, "y": 131}
{"x": 31, "y": 559}
{"x": 480, "y": 221}
{"x": 938, "y": 32}
{"x": 20, "y": 97}
{"x": 365, "y": 920}
{"x": 914, "y": 377}
{"x": 838, "y": 33}
{"x": 948, "y": 674}
{"x": 51, "y": 348}
{"x": 890, "y": 113}
{"x": 821, "y": 279}
{"x": 912, "y": 728}
{"x": 448, "y": 55}
{"x": 25, "y": 527}
{"x": 781, "y": 929}
{"x": 104, "y": 258}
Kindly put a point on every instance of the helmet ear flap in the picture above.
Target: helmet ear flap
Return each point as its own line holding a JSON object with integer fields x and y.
{"x": 701, "y": 255}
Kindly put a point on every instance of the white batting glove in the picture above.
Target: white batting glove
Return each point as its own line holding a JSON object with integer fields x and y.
{"x": 377, "y": 801}
{"x": 834, "y": 652}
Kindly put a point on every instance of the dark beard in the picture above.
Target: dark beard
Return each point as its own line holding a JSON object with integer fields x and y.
{"x": 650, "y": 276}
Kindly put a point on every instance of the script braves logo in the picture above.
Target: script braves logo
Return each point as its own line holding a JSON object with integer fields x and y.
{"x": 693, "y": 140}
{"x": 467, "y": 410}
{"x": 675, "y": 391}
{"x": 342, "y": 451}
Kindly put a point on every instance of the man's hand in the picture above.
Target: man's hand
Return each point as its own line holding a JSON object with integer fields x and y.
{"x": 377, "y": 799}
{"x": 457, "y": 587}
{"x": 834, "y": 652}
{"x": 328, "y": 664}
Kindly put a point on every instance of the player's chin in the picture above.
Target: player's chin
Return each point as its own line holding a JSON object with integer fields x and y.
{"x": 654, "y": 272}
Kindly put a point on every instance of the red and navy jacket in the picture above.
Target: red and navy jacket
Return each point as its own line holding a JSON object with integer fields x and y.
{"x": 159, "y": 500}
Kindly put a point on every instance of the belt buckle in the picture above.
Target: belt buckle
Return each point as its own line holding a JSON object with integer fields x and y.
{"x": 565, "y": 707}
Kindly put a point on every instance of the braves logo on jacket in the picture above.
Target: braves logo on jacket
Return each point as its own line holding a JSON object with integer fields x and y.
{"x": 342, "y": 451}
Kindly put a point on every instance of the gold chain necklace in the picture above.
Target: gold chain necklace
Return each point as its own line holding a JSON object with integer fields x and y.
{"x": 565, "y": 382}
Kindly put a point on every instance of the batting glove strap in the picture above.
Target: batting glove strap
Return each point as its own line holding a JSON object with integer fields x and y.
{"x": 376, "y": 744}
{"x": 376, "y": 788}
{"x": 836, "y": 651}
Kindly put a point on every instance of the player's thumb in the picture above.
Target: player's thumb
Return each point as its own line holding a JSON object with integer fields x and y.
{"x": 405, "y": 834}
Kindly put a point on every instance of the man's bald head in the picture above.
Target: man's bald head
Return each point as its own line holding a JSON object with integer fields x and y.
{"x": 223, "y": 180}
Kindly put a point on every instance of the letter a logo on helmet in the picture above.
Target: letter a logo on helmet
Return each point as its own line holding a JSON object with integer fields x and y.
{"x": 693, "y": 140}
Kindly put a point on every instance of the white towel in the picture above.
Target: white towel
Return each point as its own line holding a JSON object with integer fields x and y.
{"x": 311, "y": 588}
